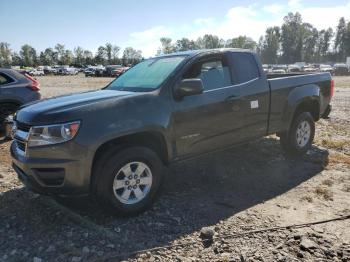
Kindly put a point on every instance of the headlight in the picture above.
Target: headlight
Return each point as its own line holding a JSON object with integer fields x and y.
{"x": 52, "y": 134}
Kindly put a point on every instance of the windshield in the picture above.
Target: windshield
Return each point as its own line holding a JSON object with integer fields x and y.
{"x": 147, "y": 75}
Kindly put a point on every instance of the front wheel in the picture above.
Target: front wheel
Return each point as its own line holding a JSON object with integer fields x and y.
{"x": 298, "y": 139}
{"x": 126, "y": 181}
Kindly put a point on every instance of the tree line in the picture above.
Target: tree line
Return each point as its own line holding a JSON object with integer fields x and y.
{"x": 293, "y": 41}
{"x": 59, "y": 55}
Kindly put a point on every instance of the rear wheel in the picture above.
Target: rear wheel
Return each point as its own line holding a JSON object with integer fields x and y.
{"x": 126, "y": 181}
{"x": 298, "y": 139}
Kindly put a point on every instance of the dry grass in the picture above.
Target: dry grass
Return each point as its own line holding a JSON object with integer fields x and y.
{"x": 61, "y": 85}
{"x": 333, "y": 144}
{"x": 328, "y": 182}
{"x": 324, "y": 192}
{"x": 307, "y": 199}
{"x": 337, "y": 158}
{"x": 341, "y": 81}
{"x": 346, "y": 188}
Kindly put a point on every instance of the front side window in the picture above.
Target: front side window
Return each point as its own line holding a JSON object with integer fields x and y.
{"x": 244, "y": 67}
{"x": 214, "y": 73}
{"x": 146, "y": 76}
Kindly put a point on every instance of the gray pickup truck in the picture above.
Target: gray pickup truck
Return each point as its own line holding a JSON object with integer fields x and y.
{"x": 113, "y": 143}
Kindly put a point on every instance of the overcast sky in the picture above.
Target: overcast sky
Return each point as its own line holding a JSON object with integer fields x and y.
{"x": 140, "y": 24}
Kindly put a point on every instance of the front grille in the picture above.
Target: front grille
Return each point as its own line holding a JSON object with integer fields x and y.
{"x": 22, "y": 126}
{"x": 21, "y": 145}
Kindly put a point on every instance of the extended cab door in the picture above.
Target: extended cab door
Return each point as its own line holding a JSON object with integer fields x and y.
{"x": 210, "y": 120}
{"x": 255, "y": 93}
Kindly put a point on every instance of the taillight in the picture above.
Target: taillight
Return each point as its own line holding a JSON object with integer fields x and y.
{"x": 332, "y": 88}
{"x": 35, "y": 86}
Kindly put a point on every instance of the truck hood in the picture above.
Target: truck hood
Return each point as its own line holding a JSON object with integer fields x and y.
{"x": 68, "y": 107}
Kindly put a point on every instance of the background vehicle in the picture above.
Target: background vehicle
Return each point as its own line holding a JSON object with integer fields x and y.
{"x": 294, "y": 69}
{"x": 48, "y": 70}
{"x": 309, "y": 69}
{"x": 36, "y": 72}
{"x": 15, "y": 90}
{"x": 279, "y": 69}
{"x": 113, "y": 143}
{"x": 109, "y": 69}
{"x": 341, "y": 70}
{"x": 89, "y": 72}
{"x": 119, "y": 71}
{"x": 327, "y": 68}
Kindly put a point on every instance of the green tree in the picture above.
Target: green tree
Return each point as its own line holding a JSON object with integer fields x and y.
{"x": 269, "y": 45}
{"x": 5, "y": 55}
{"x": 167, "y": 46}
{"x": 16, "y": 59}
{"x": 347, "y": 40}
{"x": 209, "y": 42}
{"x": 88, "y": 57}
{"x": 115, "y": 55}
{"x": 28, "y": 56}
{"x": 131, "y": 56}
{"x": 310, "y": 38}
{"x": 101, "y": 56}
{"x": 291, "y": 40}
{"x": 108, "y": 50}
{"x": 341, "y": 40}
{"x": 68, "y": 57}
{"x": 323, "y": 45}
{"x": 48, "y": 57}
{"x": 79, "y": 56}
{"x": 60, "y": 49}
{"x": 185, "y": 44}
{"x": 241, "y": 42}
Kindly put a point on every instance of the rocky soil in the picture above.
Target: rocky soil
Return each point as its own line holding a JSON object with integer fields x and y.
{"x": 236, "y": 205}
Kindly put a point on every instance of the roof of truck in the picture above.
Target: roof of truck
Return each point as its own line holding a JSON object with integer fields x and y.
{"x": 203, "y": 51}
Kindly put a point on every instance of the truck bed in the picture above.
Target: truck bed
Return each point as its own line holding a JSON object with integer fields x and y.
{"x": 282, "y": 87}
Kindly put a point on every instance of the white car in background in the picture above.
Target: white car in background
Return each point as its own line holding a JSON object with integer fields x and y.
{"x": 36, "y": 72}
{"x": 326, "y": 68}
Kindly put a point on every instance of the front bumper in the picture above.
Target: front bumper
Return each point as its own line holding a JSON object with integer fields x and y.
{"x": 62, "y": 176}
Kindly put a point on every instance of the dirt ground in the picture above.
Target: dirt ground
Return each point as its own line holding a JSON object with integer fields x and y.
{"x": 211, "y": 209}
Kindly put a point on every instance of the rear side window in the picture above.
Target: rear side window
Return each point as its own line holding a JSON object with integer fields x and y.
{"x": 214, "y": 73}
{"x": 4, "y": 79}
{"x": 244, "y": 67}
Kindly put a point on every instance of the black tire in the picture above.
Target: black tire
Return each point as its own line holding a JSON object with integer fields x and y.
{"x": 110, "y": 164}
{"x": 289, "y": 140}
{"x": 7, "y": 109}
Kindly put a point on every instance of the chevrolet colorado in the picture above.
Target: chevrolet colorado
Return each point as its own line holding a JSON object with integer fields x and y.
{"x": 113, "y": 143}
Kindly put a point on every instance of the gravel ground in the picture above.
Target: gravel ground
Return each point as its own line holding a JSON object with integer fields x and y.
{"x": 208, "y": 208}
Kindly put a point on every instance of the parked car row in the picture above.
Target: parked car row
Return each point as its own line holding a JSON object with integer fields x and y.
{"x": 106, "y": 71}
{"x": 336, "y": 69}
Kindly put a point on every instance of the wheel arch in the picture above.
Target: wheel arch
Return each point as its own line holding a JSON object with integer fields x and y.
{"x": 303, "y": 99}
{"x": 11, "y": 101}
{"x": 153, "y": 140}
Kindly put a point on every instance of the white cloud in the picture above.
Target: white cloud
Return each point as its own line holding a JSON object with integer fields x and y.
{"x": 148, "y": 40}
{"x": 249, "y": 20}
{"x": 274, "y": 8}
{"x": 324, "y": 17}
{"x": 294, "y": 3}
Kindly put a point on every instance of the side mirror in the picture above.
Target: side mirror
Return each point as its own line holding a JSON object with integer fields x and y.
{"x": 189, "y": 87}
